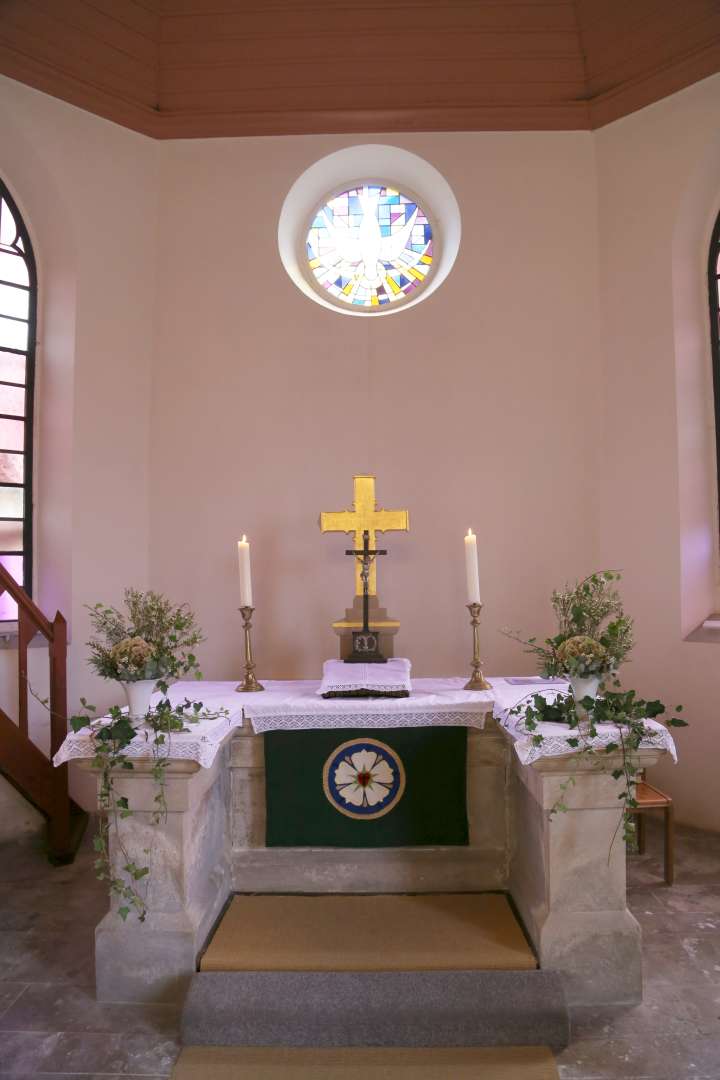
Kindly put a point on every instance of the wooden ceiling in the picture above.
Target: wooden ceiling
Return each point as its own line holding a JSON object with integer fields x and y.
{"x": 193, "y": 68}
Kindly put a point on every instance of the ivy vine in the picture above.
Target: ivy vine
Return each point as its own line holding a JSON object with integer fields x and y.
{"x": 111, "y": 736}
{"x": 622, "y": 709}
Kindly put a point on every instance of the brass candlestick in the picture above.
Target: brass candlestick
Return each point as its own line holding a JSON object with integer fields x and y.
{"x": 477, "y": 679}
{"x": 249, "y": 683}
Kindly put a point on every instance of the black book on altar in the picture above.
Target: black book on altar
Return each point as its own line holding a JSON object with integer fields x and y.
{"x": 366, "y": 693}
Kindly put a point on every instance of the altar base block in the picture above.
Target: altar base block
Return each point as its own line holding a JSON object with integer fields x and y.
{"x": 481, "y": 865}
{"x": 190, "y": 881}
{"x": 568, "y": 883}
{"x": 570, "y": 896}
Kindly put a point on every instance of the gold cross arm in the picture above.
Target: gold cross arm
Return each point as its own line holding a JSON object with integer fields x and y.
{"x": 364, "y": 515}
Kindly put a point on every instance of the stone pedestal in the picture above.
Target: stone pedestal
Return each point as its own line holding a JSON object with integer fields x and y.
{"x": 377, "y": 620}
{"x": 187, "y": 888}
{"x": 568, "y": 875}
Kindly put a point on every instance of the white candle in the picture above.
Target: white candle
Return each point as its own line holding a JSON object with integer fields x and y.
{"x": 245, "y": 578}
{"x": 471, "y": 568}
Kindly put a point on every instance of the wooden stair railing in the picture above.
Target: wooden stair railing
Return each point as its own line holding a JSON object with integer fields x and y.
{"x": 21, "y": 762}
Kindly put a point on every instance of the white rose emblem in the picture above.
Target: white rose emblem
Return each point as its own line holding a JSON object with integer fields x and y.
{"x": 364, "y": 778}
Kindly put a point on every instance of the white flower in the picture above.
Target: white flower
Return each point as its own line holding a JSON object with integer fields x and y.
{"x": 364, "y": 778}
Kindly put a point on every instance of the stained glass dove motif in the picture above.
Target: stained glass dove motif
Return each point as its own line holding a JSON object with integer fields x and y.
{"x": 369, "y": 253}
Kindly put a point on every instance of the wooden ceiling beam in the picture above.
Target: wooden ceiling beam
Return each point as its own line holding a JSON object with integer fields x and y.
{"x": 94, "y": 99}
{"x": 547, "y": 117}
{"x": 198, "y": 68}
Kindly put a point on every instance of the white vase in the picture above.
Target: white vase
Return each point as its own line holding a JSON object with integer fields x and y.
{"x": 138, "y": 695}
{"x": 582, "y": 688}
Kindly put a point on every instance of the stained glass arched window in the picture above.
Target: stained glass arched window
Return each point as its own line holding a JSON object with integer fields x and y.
{"x": 18, "y": 305}
{"x": 370, "y": 246}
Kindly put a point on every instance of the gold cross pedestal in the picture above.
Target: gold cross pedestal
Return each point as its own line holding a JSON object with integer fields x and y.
{"x": 364, "y": 515}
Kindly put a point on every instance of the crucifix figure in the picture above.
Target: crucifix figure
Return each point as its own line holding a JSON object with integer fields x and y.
{"x": 364, "y": 516}
{"x": 366, "y": 648}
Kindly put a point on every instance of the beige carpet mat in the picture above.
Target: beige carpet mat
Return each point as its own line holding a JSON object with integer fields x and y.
{"x": 442, "y": 932}
{"x": 275, "y": 1063}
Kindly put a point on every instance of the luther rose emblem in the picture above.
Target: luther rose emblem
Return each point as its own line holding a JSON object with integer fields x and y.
{"x": 364, "y": 779}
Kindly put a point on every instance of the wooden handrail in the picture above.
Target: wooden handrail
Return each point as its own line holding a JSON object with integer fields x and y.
{"x": 20, "y": 760}
{"x": 40, "y": 622}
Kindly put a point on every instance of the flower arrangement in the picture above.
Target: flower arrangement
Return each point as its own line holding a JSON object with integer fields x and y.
{"x": 594, "y": 636}
{"x": 153, "y": 639}
{"x": 582, "y": 656}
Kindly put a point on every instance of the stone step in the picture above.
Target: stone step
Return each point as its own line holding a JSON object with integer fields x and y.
{"x": 375, "y": 1008}
{"x": 263, "y": 1063}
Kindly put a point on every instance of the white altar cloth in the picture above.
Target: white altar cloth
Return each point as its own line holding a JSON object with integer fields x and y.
{"x": 293, "y": 705}
{"x": 296, "y": 706}
{"x": 200, "y": 743}
{"x": 555, "y": 736}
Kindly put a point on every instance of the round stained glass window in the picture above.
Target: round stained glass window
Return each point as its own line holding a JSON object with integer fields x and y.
{"x": 370, "y": 246}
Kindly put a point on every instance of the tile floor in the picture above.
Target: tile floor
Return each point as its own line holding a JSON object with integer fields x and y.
{"x": 51, "y": 1026}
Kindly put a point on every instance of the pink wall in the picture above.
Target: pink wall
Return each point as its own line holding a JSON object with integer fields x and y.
{"x": 465, "y": 407}
{"x": 88, "y": 192}
{"x": 659, "y": 188}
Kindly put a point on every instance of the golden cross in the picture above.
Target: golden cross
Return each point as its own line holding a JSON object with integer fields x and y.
{"x": 364, "y": 515}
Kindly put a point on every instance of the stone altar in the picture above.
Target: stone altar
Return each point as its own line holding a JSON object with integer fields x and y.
{"x": 570, "y": 895}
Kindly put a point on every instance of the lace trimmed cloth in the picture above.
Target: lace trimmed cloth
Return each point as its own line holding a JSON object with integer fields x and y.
{"x": 510, "y": 693}
{"x": 201, "y": 741}
{"x": 296, "y": 706}
{"x": 292, "y": 706}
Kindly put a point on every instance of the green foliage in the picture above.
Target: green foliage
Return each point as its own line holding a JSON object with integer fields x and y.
{"x": 621, "y": 708}
{"x": 111, "y": 736}
{"x": 152, "y": 639}
{"x": 594, "y": 636}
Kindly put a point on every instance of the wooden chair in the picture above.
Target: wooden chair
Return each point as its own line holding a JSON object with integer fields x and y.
{"x": 651, "y": 798}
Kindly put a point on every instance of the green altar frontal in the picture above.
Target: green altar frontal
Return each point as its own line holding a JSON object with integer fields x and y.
{"x": 353, "y": 787}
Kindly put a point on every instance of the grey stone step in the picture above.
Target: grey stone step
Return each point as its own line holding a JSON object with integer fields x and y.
{"x": 375, "y": 1008}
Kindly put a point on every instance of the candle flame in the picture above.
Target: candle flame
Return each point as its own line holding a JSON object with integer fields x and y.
{"x": 469, "y": 532}
{"x": 244, "y": 539}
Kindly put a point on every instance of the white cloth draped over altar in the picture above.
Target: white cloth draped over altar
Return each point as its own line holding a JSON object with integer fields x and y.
{"x": 295, "y": 705}
{"x": 509, "y": 695}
